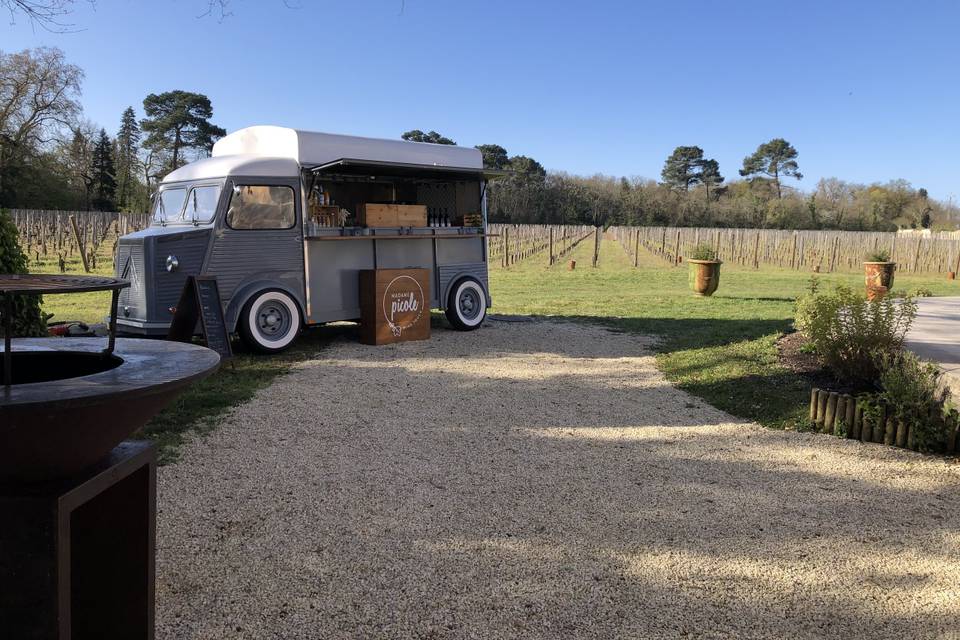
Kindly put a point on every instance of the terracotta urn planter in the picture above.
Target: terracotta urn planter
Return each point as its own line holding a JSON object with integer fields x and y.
{"x": 878, "y": 277}
{"x": 704, "y": 276}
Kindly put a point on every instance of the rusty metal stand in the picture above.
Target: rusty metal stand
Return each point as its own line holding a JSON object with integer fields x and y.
{"x": 7, "y": 337}
{"x": 77, "y": 556}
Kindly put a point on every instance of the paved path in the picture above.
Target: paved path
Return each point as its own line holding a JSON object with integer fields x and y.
{"x": 935, "y": 336}
{"x": 541, "y": 480}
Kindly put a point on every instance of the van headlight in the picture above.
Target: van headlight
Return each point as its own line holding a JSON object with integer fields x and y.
{"x": 172, "y": 264}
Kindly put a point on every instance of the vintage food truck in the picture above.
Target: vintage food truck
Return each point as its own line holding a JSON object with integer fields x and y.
{"x": 285, "y": 220}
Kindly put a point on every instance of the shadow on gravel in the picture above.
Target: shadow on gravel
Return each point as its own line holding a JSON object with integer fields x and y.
{"x": 526, "y": 485}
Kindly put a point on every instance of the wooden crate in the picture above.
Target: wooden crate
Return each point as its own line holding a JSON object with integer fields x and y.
{"x": 326, "y": 215}
{"x": 392, "y": 215}
{"x": 394, "y": 305}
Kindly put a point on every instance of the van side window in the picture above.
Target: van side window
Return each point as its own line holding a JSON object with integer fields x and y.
{"x": 261, "y": 207}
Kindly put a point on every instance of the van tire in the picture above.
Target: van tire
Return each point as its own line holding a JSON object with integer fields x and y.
{"x": 270, "y": 321}
{"x": 466, "y": 305}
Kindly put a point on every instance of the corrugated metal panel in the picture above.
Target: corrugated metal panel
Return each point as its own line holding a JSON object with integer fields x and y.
{"x": 448, "y": 272}
{"x": 242, "y": 255}
{"x": 190, "y": 250}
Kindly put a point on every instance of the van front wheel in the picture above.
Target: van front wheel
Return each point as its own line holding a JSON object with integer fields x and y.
{"x": 269, "y": 321}
{"x": 466, "y": 305}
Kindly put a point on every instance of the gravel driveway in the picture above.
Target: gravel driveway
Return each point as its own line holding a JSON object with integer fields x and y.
{"x": 541, "y": 480}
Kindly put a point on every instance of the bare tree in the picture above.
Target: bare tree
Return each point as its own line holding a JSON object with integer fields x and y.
{"x": 51, "y": 14}
{"x": 48, "y": 14}
{"x": 77, "y": 157}
{"x": 38, "y": 100}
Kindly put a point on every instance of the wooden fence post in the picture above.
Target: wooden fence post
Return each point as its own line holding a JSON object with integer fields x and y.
{"x": 793, "y": 252}
{"x": 551, "y": 246}
{"x": 756, "y": 251}
{"x": 506, "y": 247}
{"x": 636, "y": 250}
{"x": 676, "y": 254}
{"x": 596, "y": 246}
{"x": 76, "y": 236}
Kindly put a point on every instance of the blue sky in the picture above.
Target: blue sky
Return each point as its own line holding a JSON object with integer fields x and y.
{"x": 866, "y": 91}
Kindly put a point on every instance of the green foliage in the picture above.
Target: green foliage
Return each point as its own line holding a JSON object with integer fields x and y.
{"x": 703, "y": 252}
{"x": 686, "y": 167}
{"x": 570, "y": 199}
{"x": 773, "y": 159}
{"x": 807, "y": 348}
{"x": 527, "y": 170}
{"x": 849, "y": 332}
{"x": 710, "y": 175}
{"x": 922, "y": 292}
{"x": 27, "y": 319}
{"x": 680, "y": 171}
{"x": 911, "y": 389}
{"x": 494, "y": 156}
{"x": 880, "y": 255}
{"x": 177, "y": 121}
{"x": 415, "y": 135}
{"x": 127, "y": 146}
{"x": 103, "y": 174}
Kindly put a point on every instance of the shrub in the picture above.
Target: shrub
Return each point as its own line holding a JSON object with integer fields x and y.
{"x": 911, "y": 389}
{"x": 880, "y": 255}
{"x": 27, "y": 318}
{"x": 849, "y": 332}
{"x": 703, "y": 252}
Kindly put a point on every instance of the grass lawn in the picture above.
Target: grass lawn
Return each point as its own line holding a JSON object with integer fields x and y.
{"x": 721, "y": 349}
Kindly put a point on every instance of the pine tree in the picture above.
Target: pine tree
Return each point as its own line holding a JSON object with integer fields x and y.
{"x": 774, "y": 159}
{"x": 179, "y": 121}
{"x": 710, "y": 175}
{"x": 127, "y": 146}
{"x": 104, "y": 180}
{"x": 681, "y": 169}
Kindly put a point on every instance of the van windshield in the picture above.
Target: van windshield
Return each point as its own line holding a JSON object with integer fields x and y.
{"x": 202, "y": 203}
{"x": 169, "y": 205}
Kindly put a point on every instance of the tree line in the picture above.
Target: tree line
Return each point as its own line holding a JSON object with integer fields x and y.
{"x": 52, "y": 157}
{"x": 693, "y": 192}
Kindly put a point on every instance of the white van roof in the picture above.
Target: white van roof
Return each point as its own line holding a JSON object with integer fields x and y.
{"x": 312, "y": 149}
{"x": 238, "y": 165}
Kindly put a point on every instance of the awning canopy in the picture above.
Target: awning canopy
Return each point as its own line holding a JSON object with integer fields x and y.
{"x": 384, "y": 169}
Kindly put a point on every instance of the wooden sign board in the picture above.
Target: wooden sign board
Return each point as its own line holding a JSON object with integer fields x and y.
{"x": 394, "y": 305}
{"x": 200, "y": 300}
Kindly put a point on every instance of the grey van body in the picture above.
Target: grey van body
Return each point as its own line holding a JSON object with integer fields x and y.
{"x": 317, "y": 267}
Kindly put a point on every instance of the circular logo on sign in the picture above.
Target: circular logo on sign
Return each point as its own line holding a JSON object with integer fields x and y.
{"x": 403, "y": 303}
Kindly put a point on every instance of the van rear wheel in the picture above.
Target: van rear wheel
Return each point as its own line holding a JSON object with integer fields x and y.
{"x": 270, "y": 321}
{"x": 466, "y": 305}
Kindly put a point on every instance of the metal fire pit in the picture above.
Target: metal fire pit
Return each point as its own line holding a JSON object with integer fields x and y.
{"x": 38, "y": 284}
{"x": 53, "y": 426}
{"x": 66, "y": 402}
{"x": 78, "y": 505}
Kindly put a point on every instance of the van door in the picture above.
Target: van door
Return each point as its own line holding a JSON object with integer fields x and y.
{"x": 258, "y": 242}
